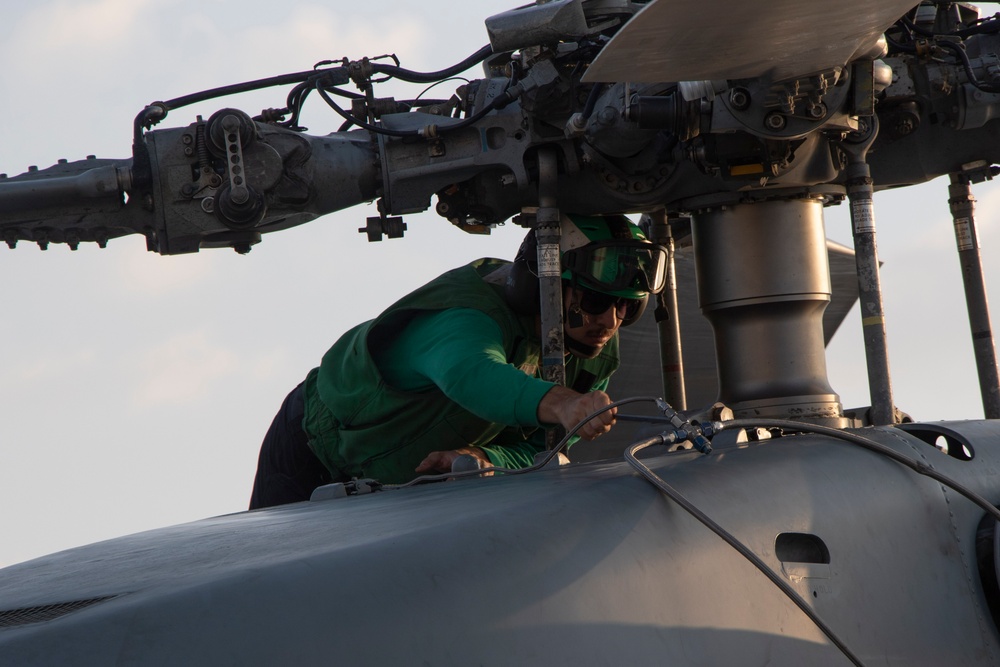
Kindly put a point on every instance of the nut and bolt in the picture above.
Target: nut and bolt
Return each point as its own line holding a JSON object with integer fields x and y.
{"x": 775, "y": 121}
{"x": 739, "y": 98}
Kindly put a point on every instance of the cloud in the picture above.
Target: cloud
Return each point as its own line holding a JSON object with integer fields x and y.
{"x": 269, "y": 365}
{"x": 987, "y": 212}
{"x": 55, "y": 27}
{"x": 182, "y": 369}
{"x": 56, "y": 365}
{"x": 191, "y": 366}
{"x": 315, "y": 29}
{"x": 153, "y": 276}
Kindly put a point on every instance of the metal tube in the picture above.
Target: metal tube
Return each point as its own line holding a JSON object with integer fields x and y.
{"x": 548, "y": 233}
{"x": 859, "y": 190}
{"x": 963, "y": 205}
{"x": 667, "y": 319}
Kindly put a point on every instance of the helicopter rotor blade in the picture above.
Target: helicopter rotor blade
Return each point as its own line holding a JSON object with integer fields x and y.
{"x": 697, "y": 40}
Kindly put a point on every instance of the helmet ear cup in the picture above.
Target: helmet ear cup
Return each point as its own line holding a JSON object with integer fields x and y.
{"x": 521, "y": 289}
{"x": 638, "y": 312}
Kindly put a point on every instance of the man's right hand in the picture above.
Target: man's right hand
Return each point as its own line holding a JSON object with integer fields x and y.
{"x": 567, "y": 407}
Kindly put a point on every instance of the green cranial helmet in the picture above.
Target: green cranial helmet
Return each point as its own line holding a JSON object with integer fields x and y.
{"x": 610, "y": 255}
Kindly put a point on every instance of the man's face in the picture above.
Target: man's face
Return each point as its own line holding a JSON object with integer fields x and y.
{"x": 586, "y": 327}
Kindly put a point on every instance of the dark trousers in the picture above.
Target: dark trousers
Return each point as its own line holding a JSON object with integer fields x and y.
{"x": 287, "y": 470}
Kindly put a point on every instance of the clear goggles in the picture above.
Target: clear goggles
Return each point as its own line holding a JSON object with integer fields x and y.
{"x": 616, "y": 265}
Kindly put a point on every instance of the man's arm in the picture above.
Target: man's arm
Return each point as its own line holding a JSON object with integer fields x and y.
{"x": 513, "y": 448}
{"x": 559, "y": 405}
{"x": 568, "y": 408}
{"x": 460, "y": 351}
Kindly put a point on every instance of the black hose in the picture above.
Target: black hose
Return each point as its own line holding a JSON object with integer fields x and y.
{"x": 309, "y": 75}
{"x": 498, "y": 102}
{"x": 595, "y": 94}
{"x": 280, "y": 80}
{"x": 354, "y": 120}
{"x": 987, "y": 26}
{"x": 900, "y": 46}
{"x": 432, "y": 77}
{"x": 959, "y": 50}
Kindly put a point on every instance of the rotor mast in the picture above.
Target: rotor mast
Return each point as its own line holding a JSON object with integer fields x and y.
{"x": 764, "y": 283}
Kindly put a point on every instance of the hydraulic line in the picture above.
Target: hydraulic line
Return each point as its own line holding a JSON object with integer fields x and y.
{"x": 867, "y": 443}
{"x": 669, "y": 437}
{"x": 298, "y": 77}
{"x": 959, "y": 51}
{"x": 245, "y": 87}
{"x": 877, "y": 447}
{"x": 549, "y": 455}
{"x": 731, "y": 540}
{"x": 497, "y": 103}
{"x": 156, "y": 111}
{"x": 431, "y": 77}
{"x": 354, "y": 120}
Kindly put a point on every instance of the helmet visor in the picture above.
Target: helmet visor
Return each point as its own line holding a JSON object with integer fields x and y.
{"x": 619, "y": 265}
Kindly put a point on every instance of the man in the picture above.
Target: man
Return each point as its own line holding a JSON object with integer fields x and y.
{"x": 453, "y": 368}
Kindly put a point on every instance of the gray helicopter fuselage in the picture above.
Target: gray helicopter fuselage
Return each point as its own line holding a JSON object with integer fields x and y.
{"x": 578, "y": 565}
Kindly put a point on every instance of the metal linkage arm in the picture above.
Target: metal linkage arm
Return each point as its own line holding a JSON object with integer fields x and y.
{"x": 220, "y": 183}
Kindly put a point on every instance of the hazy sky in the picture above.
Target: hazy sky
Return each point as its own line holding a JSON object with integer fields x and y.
{"x": 136, "y": 388}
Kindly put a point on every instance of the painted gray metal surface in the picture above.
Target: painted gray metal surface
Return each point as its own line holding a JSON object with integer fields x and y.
{"x": 689, "y": 40}
{"x": 587, "y": 564}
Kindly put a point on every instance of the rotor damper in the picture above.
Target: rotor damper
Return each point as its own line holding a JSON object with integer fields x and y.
{"x": 763, "y": 283}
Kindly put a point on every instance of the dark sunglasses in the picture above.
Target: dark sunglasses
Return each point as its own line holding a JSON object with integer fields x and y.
{"x": 597, "y": 303}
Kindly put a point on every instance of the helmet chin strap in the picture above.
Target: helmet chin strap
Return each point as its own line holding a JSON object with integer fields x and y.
{"x": 581, "y": 350}
{"x": 574, "y": 316}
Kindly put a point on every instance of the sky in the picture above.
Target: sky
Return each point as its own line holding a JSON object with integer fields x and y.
{"x": 136, "y": 388}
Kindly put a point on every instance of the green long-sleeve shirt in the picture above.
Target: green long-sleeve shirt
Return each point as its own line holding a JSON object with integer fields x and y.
{"x": 460, "y": 351}
{"x": 449, "y": 365}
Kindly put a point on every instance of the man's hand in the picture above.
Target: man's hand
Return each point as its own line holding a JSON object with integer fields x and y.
{"x": 441, "y": 461}
{"x": 565, "y": 406}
